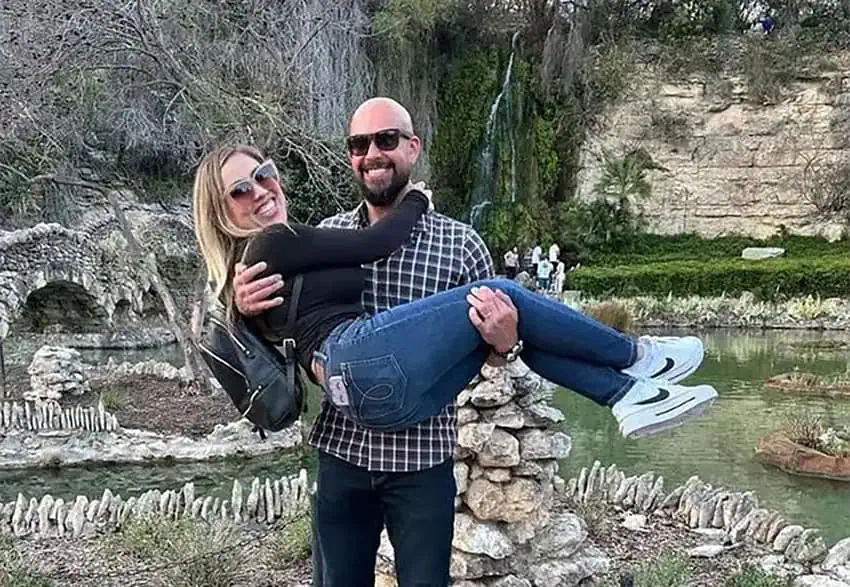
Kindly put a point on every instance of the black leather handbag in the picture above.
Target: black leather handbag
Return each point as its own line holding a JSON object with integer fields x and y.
{"x": 262, "y": 379}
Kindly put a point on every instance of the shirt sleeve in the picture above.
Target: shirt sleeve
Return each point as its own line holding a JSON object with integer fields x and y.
{"x": 293, "y": 250}
{"x": 477, "y": 262}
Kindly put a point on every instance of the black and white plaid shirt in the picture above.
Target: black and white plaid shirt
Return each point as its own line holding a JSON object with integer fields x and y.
{"x": 442, "y": 253}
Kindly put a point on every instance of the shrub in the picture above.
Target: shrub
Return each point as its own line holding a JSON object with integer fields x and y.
{"x": 751, "y": 576}
{"x": 595, "y": 515}
{"x": 195, "y": 553}
{"x": 293, "y": 544}
{"x": 667, "y": 571}
{"x": 613, "y": 314}
{"x": 805, "y": 429}
{"x": 15, "y": 570}
{"x": 112, "y": 398}
{"x": 647, "y": 248}
{"x": 767, "y": 280}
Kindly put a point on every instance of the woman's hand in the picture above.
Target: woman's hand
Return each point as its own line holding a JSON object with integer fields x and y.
{"x": 251, "y": 294}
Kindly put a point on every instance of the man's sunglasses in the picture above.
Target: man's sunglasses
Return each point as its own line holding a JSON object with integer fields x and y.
{"x": 265, "y": 174}
{"x": 385, "y": 140}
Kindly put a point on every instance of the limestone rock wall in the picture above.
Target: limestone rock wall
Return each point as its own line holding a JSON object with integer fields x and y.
{"x": 732, "y": 166}
{"x": 266, "y": 501}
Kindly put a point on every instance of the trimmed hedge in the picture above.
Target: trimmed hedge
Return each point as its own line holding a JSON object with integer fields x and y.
{"x": 768, "y": 279}
{"x": 649, "y": 248}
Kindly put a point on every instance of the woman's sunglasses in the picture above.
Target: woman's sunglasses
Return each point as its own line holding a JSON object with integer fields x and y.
{"x": 265, "y": 174}
{"x": 385, "y": 140}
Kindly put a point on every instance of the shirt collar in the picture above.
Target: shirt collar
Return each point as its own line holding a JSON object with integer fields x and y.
{"x": 361, "y": 214}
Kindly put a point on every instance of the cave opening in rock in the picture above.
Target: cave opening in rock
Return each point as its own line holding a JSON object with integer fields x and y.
{"x": 62, "y": 306}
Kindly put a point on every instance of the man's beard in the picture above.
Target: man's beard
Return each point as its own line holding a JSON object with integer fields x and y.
{"x": 388, "y": 196}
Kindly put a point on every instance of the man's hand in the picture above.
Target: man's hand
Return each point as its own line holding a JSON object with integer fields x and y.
{"x": 495, "y": 316}
{"x": 250, "y": 294}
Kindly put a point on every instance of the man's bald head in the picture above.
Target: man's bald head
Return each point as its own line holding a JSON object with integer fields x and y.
{"x": 384, "y": 169}
{"x": 379, "y": 113}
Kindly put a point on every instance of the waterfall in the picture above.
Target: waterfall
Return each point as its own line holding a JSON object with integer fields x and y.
{"x": 482, "y": 193}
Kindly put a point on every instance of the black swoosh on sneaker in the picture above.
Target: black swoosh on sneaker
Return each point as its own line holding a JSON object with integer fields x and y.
{"x": 662, "y": 395}
{"x": 669, "y": 364}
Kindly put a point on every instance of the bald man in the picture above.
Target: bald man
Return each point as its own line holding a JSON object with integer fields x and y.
{"x": 403, "y": 480}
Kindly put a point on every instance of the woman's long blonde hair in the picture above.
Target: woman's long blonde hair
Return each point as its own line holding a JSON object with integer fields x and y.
{"x": 218, "y": 238}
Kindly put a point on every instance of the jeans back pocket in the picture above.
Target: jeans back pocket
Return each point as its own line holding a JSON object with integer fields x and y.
{"x": 377, "y": 389}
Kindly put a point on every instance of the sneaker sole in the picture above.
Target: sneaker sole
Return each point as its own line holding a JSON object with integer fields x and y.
{"x": 668, "y": 415}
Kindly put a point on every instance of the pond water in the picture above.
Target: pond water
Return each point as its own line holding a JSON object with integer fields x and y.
{"x": 718, "y": 447}
{"x": 18, "y": 350}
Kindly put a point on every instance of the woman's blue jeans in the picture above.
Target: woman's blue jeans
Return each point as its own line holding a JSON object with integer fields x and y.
{"x": 402, "y": 366}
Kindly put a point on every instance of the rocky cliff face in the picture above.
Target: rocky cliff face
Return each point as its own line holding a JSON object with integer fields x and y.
{"x": 732, "y": 166}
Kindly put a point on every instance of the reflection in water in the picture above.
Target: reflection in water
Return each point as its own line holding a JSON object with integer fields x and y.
{"x": 719, "y": 446}
{"x": 215, "y": 478}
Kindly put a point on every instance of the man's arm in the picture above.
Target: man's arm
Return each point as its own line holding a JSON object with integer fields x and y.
{"x": 492, "y": 313}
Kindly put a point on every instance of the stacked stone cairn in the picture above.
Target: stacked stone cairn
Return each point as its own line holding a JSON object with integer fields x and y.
{"x": 729, "y": 519}
{"x": 268, "y": 501}
{"x": 49, "y": 415}
{"x": 506, "y": 531}
{"x": 55, "y": 371}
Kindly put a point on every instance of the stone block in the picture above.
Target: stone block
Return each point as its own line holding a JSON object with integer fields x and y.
{"x": 501, "y": 449}
{"x": 474, "y": 537}
{"x": 510, "y": 502}
{"x": 507, "y": 416}
{"x": 465, "y": 566}
{"x": 759, "y": 253}
{"x": 541, "y": 444}
{"x": 492, "y": 393}
{"x": 474, "y": 436}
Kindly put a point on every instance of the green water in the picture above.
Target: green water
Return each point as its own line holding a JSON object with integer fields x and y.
{"x": 719, "y": 446}
{"x": 210, "y": 478}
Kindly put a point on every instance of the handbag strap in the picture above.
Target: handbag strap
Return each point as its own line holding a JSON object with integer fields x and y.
{"x": 293, "y": 304}
{"x": 289, "y": 354}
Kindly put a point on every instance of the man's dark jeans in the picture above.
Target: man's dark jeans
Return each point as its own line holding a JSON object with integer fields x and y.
{"x": 351, "y": 507}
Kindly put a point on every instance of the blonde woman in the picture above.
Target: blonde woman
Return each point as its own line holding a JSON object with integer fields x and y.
{"x": 400, "y": 367}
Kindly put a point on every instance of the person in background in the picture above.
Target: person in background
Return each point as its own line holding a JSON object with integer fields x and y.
{"x": 526, "y": 263}
{"x": 544, "y": 273}
{"x": 511, "y": 263}
{"x": 536, "y": 255}
{"x": 554, "y": 253}
{"x": 560, "y": 278}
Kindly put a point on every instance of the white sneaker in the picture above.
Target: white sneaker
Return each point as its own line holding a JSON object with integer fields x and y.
{"x": 667, "y": 359}
{"x": 650, "y": 407}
